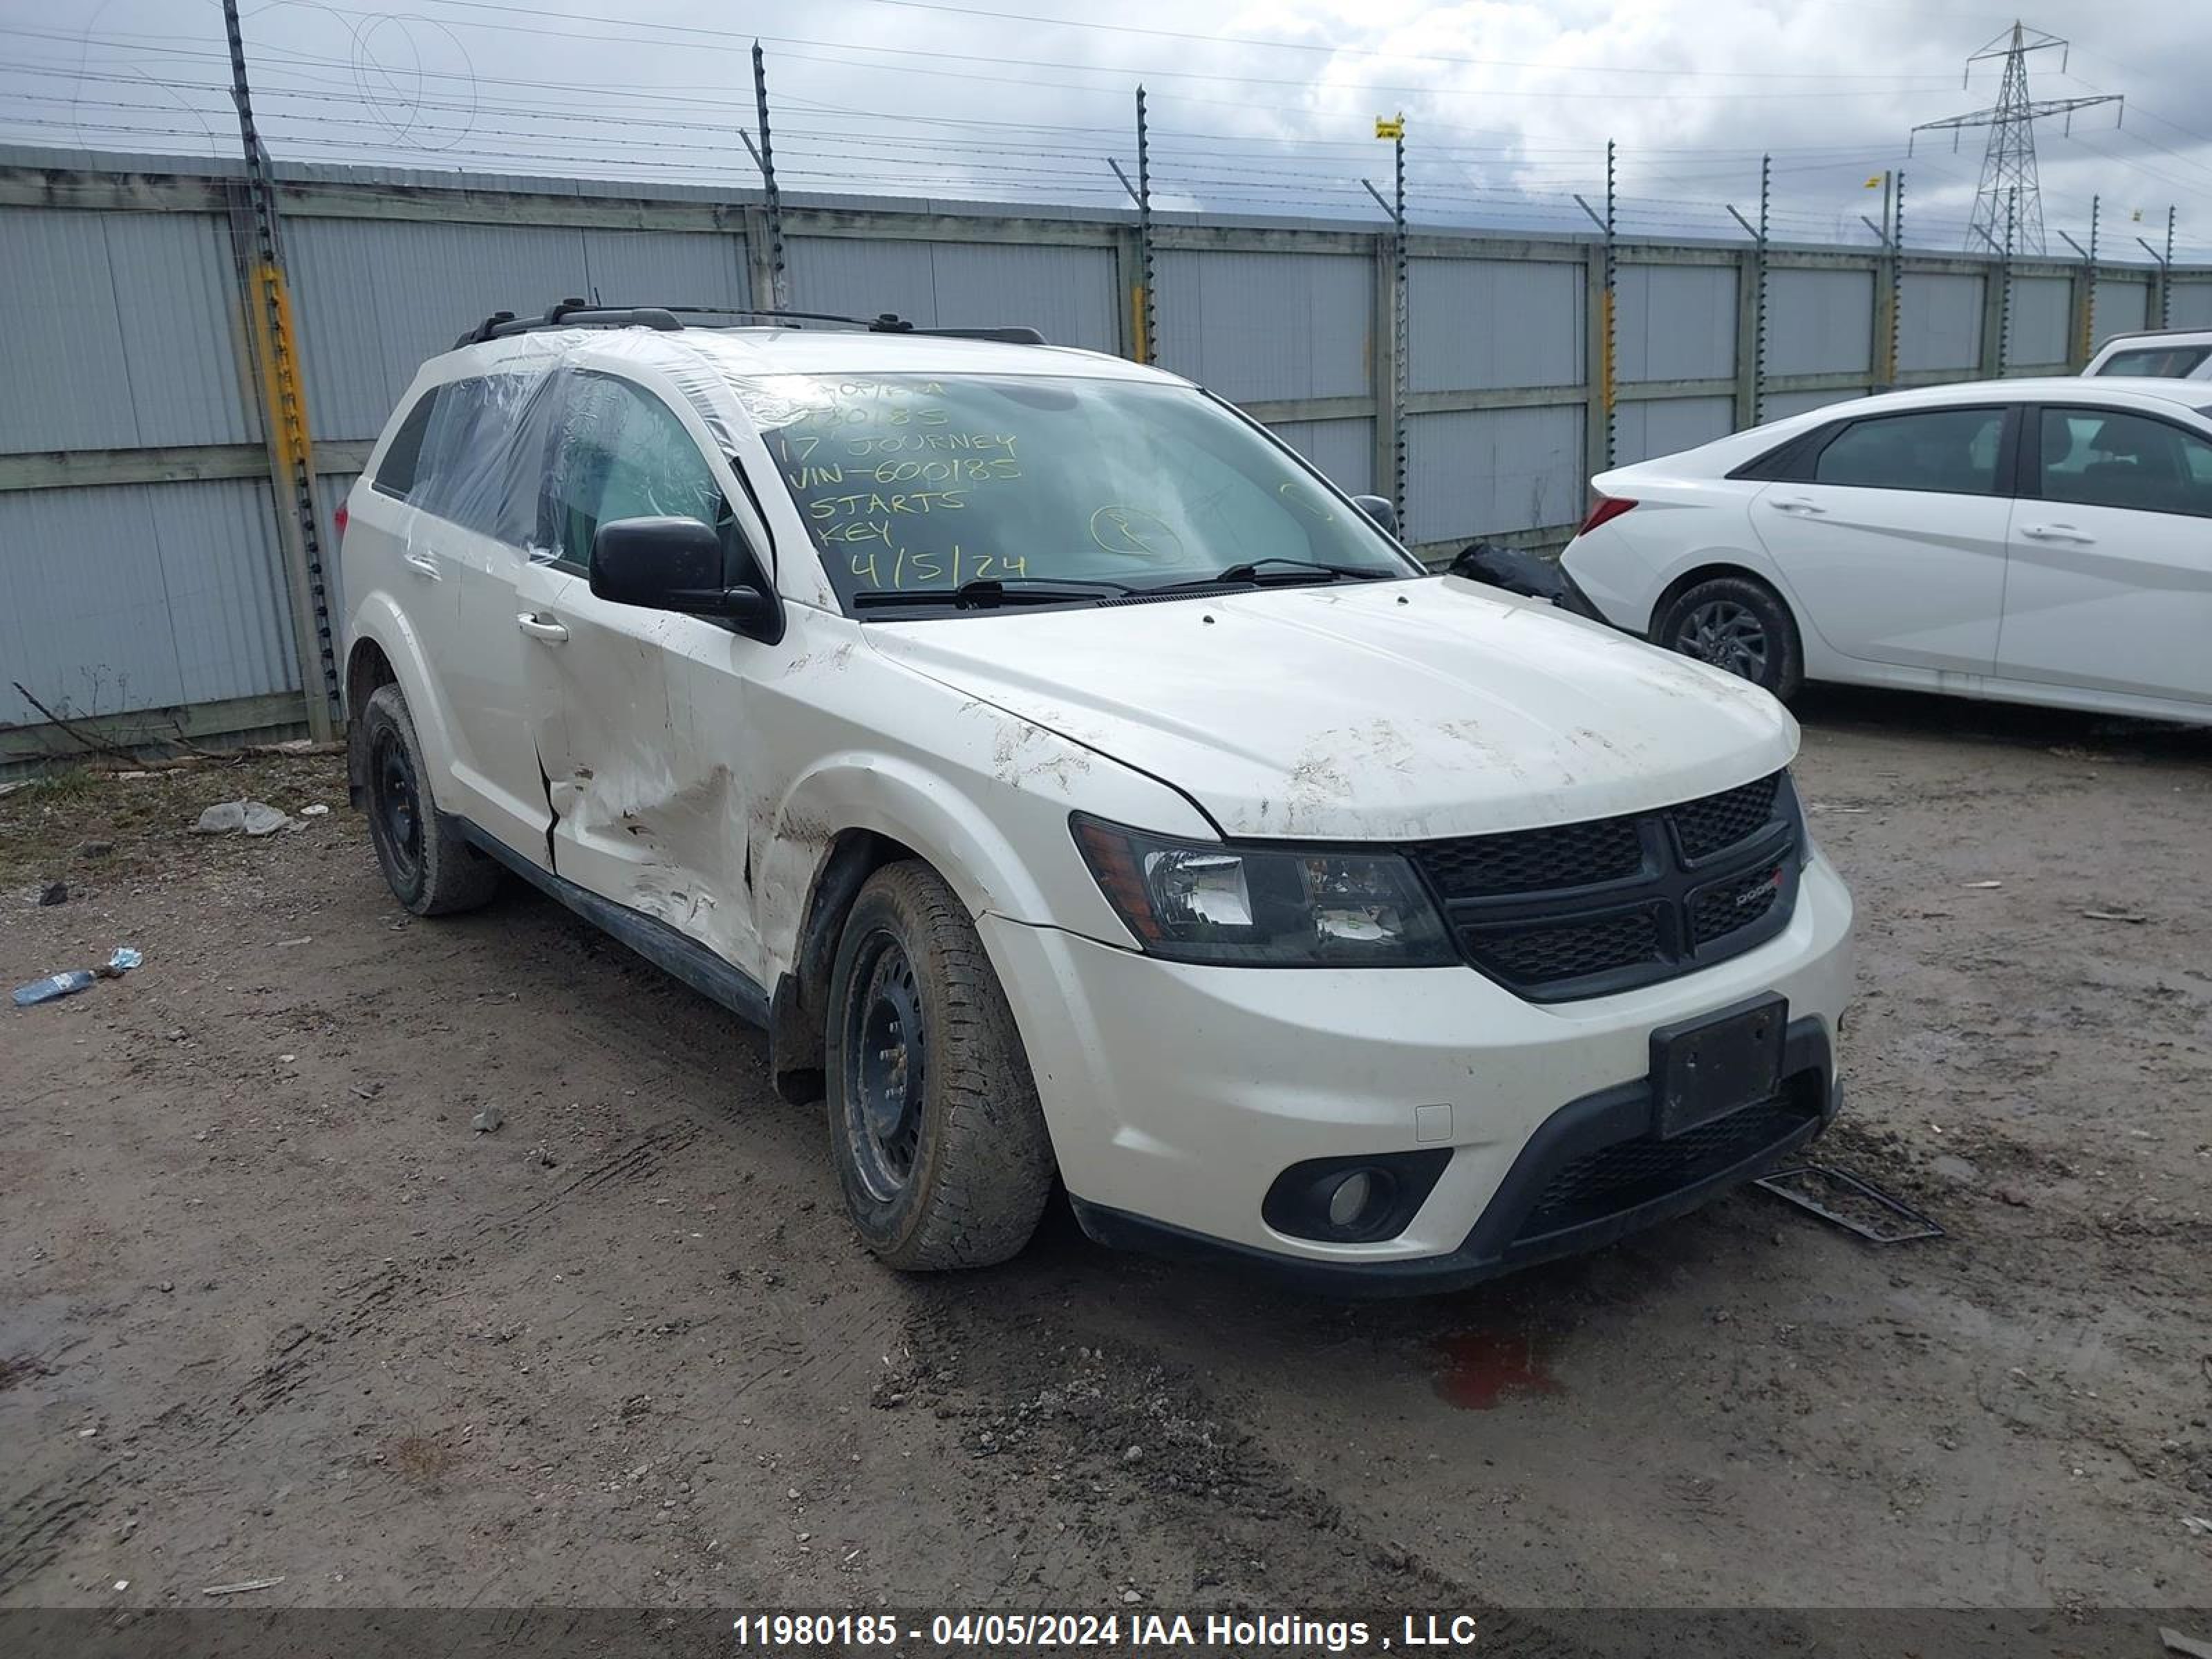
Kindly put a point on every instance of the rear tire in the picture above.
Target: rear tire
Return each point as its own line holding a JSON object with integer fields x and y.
{"x": 939, "y": 1142}
{"x": 430, "y": 867}
{"x": 1738, "y": 623}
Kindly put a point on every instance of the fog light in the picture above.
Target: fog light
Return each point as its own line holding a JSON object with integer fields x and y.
{"x": 1352, "y": 1200}
{"x": 1349, "y": 1199}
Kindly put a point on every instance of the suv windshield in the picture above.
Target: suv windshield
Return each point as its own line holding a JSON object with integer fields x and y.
{"x": 919, "y": 485}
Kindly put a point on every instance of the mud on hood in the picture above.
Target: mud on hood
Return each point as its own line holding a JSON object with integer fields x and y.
{"x": 1394, "y": 710}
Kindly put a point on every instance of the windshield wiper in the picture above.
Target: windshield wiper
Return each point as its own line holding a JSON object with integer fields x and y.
{"x": 1299, "y": 572}
{"x": 989, "y": 591}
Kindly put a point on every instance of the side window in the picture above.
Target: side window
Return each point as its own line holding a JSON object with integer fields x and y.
{"x": 449, "y": 462}
{"x": 478, "y": 456}
{"x": 469, "y": 452}
{"x": 623, "y": 454}
{"x": 1954, "y": 451}
{"x": 401, "y": 461}
{"x": 2106, "y": 457}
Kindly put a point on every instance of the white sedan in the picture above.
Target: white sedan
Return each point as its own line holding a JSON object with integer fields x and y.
{"x": 2033, "y": 541}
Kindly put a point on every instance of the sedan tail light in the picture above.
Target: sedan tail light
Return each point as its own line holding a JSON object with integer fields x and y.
{"x": 1604, "y": 509}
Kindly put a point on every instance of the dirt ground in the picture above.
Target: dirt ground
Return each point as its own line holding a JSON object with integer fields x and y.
{"x": 274, "y": 1309}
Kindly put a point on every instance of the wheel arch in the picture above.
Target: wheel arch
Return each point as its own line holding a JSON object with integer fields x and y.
{"x": 367, "y": 667}
{"x": 384, "y": 649}
{"x": 799, "y": 1009}
{"x": 1003, "y": 850}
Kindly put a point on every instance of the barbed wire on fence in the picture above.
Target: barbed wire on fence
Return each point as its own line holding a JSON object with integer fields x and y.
{"x": 406, "y": 89}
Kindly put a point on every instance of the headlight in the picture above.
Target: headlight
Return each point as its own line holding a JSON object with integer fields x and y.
{"x": 1205, "y": 901}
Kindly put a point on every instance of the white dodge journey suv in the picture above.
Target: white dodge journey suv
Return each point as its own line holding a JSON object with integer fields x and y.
{"x": 1073, "y": 781}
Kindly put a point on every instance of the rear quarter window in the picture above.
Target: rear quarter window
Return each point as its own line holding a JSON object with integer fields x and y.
{"x": 473, "y": 452}
{"x": 402, "y": 457}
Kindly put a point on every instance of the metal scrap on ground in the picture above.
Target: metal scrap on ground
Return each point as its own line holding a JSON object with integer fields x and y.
{"x": 1869, "y": 1207}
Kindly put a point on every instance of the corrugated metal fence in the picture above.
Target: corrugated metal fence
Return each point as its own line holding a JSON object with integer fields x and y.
{"x": 145, "y": 585}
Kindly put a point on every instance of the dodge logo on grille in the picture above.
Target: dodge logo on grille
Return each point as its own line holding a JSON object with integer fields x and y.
{"x": 1762, "y": 889}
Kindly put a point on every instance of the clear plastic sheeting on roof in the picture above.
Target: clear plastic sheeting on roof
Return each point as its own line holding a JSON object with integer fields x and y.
{"x": 551, "y": 439}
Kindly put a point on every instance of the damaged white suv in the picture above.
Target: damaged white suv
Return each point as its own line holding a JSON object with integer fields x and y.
{"x": 1073, "y": 781}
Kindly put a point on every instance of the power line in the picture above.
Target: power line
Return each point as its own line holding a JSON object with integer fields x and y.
{"x": 1672, "y": 74}
{"x": 801, "y": 46}
{"x": 1442, "y": 174}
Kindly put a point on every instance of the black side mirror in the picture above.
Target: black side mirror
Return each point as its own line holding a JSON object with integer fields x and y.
{"x": 676, "y": 564}
{"x": 1379, "y": 508}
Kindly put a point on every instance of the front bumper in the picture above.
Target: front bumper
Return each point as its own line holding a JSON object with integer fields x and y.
{"x": 1176, "y": 1094}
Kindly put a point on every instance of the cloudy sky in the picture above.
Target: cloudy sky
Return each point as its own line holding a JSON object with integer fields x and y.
{"x": 1255, "y": 107}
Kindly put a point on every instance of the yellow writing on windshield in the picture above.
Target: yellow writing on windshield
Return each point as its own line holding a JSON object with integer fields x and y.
{"x": 902, "y": 568}
{"x": 870, "y": 504}
{"x": 1133, "y": 532}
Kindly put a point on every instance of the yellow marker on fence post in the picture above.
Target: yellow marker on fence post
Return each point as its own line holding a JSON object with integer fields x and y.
{"x": 1605, "y": 356}
{"x": 275, "y": 344}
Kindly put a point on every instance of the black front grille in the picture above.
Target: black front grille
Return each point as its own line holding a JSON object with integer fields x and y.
{"x": 1632, "y": 1172}
{"x": 1571, "y": 950}
{"x": 1737, "y": 903}
{"x": 1584, "y": 909}
{"x": 1707, "y": 826}
{"x": 1531, "y": 860}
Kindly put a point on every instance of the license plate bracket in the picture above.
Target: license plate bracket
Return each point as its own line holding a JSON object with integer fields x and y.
{"x": 1718, "y": 1063}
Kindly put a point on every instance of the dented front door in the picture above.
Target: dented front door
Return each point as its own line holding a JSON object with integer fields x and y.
{"x": 644, "y": 812}
{"x": 646, "y": 808}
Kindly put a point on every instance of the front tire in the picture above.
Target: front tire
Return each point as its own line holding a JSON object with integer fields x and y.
{"x": 1738, "y": 623}
{"x": 939, "y": 1142}
{"x": 429, "y": 866}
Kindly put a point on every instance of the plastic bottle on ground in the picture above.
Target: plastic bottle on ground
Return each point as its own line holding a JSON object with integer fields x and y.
{"x": 54, "y": 985}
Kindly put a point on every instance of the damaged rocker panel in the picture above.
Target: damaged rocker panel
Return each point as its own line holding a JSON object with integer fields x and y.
{"x": 656, "y": 941}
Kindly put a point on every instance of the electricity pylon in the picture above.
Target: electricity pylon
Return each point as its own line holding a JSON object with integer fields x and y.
{"x": 2008, "y": 173}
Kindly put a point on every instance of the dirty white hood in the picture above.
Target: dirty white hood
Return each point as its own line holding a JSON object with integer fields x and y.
{"x": 1382, "y": 710}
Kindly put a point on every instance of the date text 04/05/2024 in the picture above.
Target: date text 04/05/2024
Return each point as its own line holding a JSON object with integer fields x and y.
{"x": 1414, "y": 1632}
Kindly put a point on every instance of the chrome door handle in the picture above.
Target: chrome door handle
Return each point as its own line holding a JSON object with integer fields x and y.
{"x": 1798, "y": 504}
{"x": 421, "y": 564}
{"x": 538, "y": 629}
{"x": 2057, "y": 532}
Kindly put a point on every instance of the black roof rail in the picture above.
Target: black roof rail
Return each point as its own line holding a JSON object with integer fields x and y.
{"x": 1014, "y": 334}
{"x": 580, "y": 314}
{"x": 886, "y": 322}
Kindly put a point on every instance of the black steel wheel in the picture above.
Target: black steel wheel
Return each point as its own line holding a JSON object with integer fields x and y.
{"x": 395, "y": 808}
{"x": 886, "y": 1068}
{"x": 934, "y": 1123}
{"x": 430, "y": 867}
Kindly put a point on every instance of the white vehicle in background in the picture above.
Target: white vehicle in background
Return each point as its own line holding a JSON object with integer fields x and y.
{"x": 2156, "y": 354}
{"x": 2033, "y": 541}
{"x": 1074, "y": 782}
